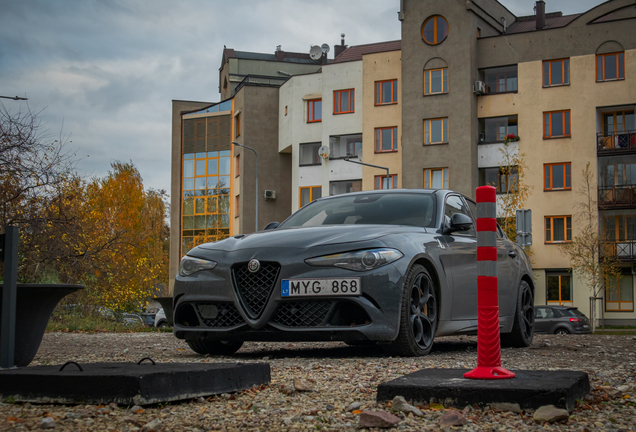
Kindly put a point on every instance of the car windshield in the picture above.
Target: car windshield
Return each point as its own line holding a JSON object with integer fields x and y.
{"x": 414, "y": 209}
{"x": 574, "y": 312}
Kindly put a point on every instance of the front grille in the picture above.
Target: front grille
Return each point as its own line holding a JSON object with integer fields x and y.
{"x": 302, "y": 314}
{"x": 219, "y": 314}
{"x": 254, "y": 288}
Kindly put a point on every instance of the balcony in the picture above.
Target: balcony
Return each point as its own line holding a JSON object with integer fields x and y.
{"x": 617, "y": 197}
{"x": 616, "y": 142}
{"x": 622, "y": 250}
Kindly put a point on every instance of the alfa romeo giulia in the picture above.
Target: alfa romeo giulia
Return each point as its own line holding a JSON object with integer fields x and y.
{"x": 396, "y": 268}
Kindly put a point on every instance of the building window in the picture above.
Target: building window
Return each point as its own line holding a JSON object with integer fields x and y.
{"x": 505, "y": 180}
{"x": 386, "y": 140}
{"x": 314, "y": 110}
{"x": 619, "y": 294}
{"x": 436, "y": 131}
{"x": 556, "y": 124}
{"x": 308, "y": 194}
{"x": 620, "y": 228}
{"x": 556, "y": 72}
{"x": 386, "y": 92}
{"x": 558, "y": 229}
{"x": 238, "y": 166}
{"x": 500, "y": 79}
{"x": 559, "y": 288}
{"x": 343, "y": 187}
{"x": 435, "y": 81}
{"x": 436, "y": 178}
{"x": 206, "y": 198}
{"x": 557, "y": 176}
{"x": 344, "y": 101}
{"x": 237, "y": 203}
{"x": 309, "y": 154}
{"x": 495, "y": 129}
{"x": 381, "y": 183}
{"x": 610, "y": 67}
{"x": 435, "y": 30}
{"x": 237, "y": 125}
{"x": 342, "y": 145}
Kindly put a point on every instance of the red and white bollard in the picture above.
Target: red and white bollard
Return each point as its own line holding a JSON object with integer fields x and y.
{"x": 488, "y": 338}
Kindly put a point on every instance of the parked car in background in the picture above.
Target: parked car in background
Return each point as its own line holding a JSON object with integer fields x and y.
{"x": 131, "y": 319}
{"x": 160, "y": 319}
{"x": 148, "y": 319}
{"x": 394, "y": 267}
{"x": 560, "y": 320}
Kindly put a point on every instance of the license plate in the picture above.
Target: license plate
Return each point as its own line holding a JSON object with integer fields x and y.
{"x": 321, "y": 287}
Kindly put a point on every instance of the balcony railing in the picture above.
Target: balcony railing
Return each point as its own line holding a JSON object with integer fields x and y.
{"x": 622, "y": 250}
{"x": 616, "y": 142}
{"x": 622, "y": 196}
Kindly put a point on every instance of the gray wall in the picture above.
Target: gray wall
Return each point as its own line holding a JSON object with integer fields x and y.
{"x": 259, "y": 118}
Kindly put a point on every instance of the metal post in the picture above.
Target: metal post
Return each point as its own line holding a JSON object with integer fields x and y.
{"x": 9, "y": 294}
{"x": 256, "y": 172}
{"x": 346, "y": 159}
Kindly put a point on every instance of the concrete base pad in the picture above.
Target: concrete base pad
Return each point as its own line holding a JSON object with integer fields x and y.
{"x": 129, "y": 383}
{"x": 448, "y": 387}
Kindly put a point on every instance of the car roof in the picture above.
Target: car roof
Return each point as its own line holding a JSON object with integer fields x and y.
{"x": 443, "y": 192}
{"x": 557, "y": 307}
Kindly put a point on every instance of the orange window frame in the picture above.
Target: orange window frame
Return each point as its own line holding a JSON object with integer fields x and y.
{"x": 237, "y": 166}
{"x": 565, "y": 72}
{"x": 337, "y": 96}
{"x": 435, "y": 22}
{"x": 567, "y": 127}
{"x": 548, "y": 177}
{"x": 311, "y": 113}
{"x": 379, "y": 181}
{"x": 618, "y": 305}
{"x": 237, "y": 125}
{"x": 560, "y": 301}
{"x": 428, "y": 177}
{"x": 428, "y": 81}
{"x": 428, "y": 131}
{"x": 379, "y": 142}
{"x": 237, "y": 207}
{"x": 620, "y": 66}
{"x": 311, "y": 189}
{"x": 379, "y": 93}
{"x": 549, "y": 229}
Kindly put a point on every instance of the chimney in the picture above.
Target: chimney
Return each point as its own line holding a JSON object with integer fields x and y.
{"x": 540, "y": 8}
{"x": 279, "y": 53}
{"x": 339, "y": 48}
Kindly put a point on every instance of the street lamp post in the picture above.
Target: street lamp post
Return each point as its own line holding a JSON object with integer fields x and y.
{"x": 256, "y": 192}
{"x": 372, "y": 166}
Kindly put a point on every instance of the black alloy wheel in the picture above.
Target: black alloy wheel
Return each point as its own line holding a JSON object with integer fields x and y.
{"x": 418, "y": 321}
{"x": 561, "y": 331}
{"x": 523, "y": 326}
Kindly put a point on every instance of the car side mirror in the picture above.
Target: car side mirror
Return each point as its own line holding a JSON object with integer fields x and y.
{"x": 271, "y": 225}
{"x": 460, "y": 222}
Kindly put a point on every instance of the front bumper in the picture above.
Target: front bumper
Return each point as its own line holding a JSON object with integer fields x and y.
{"x": 211, "y": 304}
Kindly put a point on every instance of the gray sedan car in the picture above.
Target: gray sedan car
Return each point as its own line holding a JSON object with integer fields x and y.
{"x": 391, "y": 267}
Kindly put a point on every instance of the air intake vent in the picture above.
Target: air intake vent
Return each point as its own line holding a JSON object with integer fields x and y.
{"x": 255, "y": 288}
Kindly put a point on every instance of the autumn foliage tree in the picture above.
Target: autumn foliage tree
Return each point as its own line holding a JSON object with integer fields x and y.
{"x": 109, "y": 234}
{"x": 516, "y": 190}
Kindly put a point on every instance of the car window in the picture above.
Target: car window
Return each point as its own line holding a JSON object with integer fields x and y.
{"x": 544, "y": 313}
{"x": 414, "y": 209}
{"x": 573, "y": 312}
{"x": 454, "y": 204}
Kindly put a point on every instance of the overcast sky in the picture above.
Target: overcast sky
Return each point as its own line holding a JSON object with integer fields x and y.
{"x": 106, "y": 70}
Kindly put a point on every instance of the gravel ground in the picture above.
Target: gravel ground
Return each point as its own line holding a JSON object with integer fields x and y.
{"x": 338, "y": 375}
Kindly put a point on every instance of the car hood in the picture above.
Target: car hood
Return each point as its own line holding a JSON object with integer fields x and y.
{"x": 308, "y": 237}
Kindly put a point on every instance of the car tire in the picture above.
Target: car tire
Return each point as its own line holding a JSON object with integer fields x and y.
{"x": 205, "y": 346}
{"x": 418, "y": 315}
{"x": 561, "y": 331}
{"x": 163, "y": 324}
{"x": 523, "y": 326}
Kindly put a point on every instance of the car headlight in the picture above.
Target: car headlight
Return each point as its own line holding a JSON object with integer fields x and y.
{"x": 359, "y": 260}
{"x": 190, "y": 265}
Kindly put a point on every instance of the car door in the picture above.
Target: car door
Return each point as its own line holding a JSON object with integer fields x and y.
{"x": 541, "y": 321}
{"x": 463, "y": 249}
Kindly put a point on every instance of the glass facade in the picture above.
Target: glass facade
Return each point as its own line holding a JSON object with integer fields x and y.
{"x": 206, "y": 173}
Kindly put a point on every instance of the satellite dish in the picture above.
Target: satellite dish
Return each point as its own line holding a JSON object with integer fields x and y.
{"x": 315, "y": 52}
{"x": 323, "y": 152}
{"x": 325, "y": 48}
{"x": 360, "y": 155}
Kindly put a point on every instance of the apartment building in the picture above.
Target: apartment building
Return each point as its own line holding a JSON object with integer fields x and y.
{"x": 565, "y": 86}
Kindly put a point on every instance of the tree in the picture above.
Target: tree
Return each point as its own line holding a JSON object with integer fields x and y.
{"x": 516, "y": 191}
{"x": 589, "y": 252}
